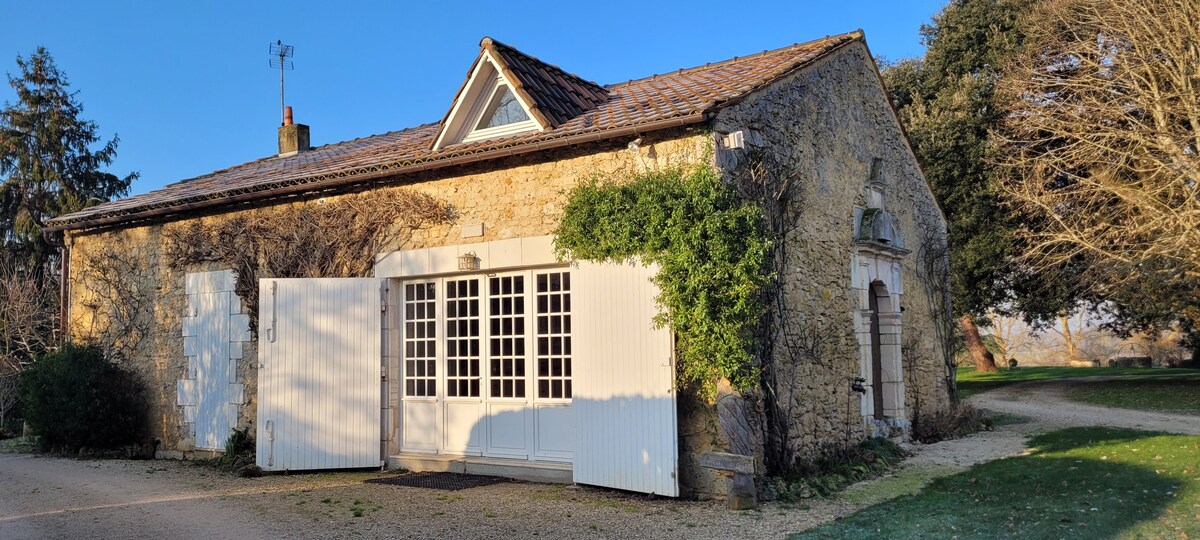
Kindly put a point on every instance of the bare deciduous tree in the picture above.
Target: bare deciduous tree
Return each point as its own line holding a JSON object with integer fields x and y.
{"x": 1102, "y": 138}
{"x": 1009, "y": 334}
{"x": 28, "y": 314}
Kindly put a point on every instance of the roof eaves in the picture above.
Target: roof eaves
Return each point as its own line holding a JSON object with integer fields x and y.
{"x": 340, "y": 178}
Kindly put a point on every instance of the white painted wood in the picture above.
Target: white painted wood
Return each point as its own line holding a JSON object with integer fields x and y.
{"x": 469, "y": 105}
{"x": 624, "y": 399}
{"x": 464, "y": 428}
{"x": 510, "y": 254}
{"x": 213, "y": 330}
{"x": 555, "y": 432}
{"x": 319, "y": 377}
{"x": 421, "y": 426}
{"x": 211, "y": 382}
{"x": 507, "y": 434}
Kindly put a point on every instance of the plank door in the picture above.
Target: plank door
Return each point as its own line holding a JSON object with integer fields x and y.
{"x": 624, "y": 398}
{"x": 319, "y": 373}
{"x": 210, "y": 368}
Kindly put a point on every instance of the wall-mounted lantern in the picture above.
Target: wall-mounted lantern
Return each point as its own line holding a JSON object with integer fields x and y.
{"x": 468, "y": 261}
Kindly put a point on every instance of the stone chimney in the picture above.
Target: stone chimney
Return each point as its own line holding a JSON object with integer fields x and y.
{"x": 293, "y": 138}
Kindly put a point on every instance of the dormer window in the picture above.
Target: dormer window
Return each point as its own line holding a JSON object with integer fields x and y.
{"x": 500, "y": 116}
{"x": 510, "y": 93}
{"x": 489, "y": 106}
{"x": 504, "y": 109}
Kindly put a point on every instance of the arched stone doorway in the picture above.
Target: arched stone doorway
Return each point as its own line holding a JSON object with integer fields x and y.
{"x": 878, "y": 328}
{"x": 876, "y": 279}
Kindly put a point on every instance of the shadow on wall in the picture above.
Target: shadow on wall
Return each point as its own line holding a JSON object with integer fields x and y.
{"x": 325, "y": 370}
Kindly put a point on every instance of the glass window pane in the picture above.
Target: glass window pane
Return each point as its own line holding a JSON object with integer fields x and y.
{"x": 504, "y": 109}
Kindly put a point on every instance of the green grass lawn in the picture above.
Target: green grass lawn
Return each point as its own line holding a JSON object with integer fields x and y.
{"x": 1074, "y": 483}
{"x": 1169, "y": 395}
{"x": 971, "y": 382}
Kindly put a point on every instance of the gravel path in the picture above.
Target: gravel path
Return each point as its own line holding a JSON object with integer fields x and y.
{"x": 44, "y": 497}
{"x": 1045, "y": 403}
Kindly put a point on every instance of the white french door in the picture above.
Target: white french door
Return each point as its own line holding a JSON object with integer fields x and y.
{"x": 486, "y": 365}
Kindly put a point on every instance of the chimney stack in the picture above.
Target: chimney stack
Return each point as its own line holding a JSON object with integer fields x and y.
{"x": 293, "y": 138}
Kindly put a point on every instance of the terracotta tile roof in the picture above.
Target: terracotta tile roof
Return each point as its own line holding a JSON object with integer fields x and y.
{"x": 674, "y": 98}
{"x": 559, "y": 96}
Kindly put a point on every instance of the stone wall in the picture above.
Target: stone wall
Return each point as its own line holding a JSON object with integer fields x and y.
{"x": 124, "y": 294}
{"x": 821, "y": 129}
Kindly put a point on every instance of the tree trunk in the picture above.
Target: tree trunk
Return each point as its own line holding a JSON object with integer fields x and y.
{"x": 984, "y": 361}
{"x": 1068, "y": 339}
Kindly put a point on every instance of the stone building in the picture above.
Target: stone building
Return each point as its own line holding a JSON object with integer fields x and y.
{"x": 461, "y": 342}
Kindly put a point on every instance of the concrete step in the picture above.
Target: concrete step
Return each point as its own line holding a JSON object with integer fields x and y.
{"x": 532, "y": 471}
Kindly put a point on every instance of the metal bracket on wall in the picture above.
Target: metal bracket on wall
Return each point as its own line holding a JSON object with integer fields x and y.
{"x": 273, "y": 331}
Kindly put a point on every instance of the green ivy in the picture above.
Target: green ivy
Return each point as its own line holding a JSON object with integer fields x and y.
{"x": 713, "y": 253}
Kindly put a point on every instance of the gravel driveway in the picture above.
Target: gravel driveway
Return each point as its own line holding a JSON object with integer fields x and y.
{"x": 1045, "y": 403}
{"x": 44, "y": 497}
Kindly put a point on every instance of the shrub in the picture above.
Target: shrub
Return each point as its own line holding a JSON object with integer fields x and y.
{"x": 76, "y": 398}
{"x": 959, "y": 421}
{"x": 838, "y": 467}
{"x": 1131, "y": 361}
{"x": 239, "y": 449}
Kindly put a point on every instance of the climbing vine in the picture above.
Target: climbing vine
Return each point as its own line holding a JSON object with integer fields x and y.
{"x": 327, "y": 238}
{"x": 713, "y": 252}
{"x": 116, "y": 287}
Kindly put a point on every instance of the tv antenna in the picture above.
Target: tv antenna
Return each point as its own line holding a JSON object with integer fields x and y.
{"x": 279, "y": 59}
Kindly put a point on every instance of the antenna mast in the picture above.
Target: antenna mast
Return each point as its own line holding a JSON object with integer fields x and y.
{"x": 280, "y": 54}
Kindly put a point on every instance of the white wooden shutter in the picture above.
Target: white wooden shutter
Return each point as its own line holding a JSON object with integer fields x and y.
{"x": 624, "y": 399}
{"x": 215, "y": 413}
{"x": 319, "y": 373}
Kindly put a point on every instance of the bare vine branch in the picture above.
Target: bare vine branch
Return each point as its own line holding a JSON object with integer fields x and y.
{"x": 1102, "y": 138}
{"x": 328, "y": 238}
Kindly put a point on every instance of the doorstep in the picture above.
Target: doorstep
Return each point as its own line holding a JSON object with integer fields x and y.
{"x": 533, "y": 471}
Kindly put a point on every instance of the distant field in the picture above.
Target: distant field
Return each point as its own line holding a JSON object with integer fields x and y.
{"x": 971, "y": 382}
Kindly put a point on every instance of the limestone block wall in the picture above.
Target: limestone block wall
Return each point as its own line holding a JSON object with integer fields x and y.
{"x": 138, "y": 303}
{"x": 823, "y": 127}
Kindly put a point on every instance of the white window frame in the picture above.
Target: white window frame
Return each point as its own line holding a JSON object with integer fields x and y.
{"x": 441, "y": 390}
{"x": 477, "y": 112}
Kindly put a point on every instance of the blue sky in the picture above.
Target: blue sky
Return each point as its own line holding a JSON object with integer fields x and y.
{"x": 187, "y": 87}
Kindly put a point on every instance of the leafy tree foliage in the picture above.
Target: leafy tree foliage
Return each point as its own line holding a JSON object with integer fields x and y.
{"x": 712, "y": 251}
{"x": 75, "y": 398}
{"x": 47, "y": 164}
{"x": 946, "y": 101}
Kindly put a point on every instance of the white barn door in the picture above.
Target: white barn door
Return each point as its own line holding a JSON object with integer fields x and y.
{"x": 624, "y": 400}
{"x": 319, "y": 373}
